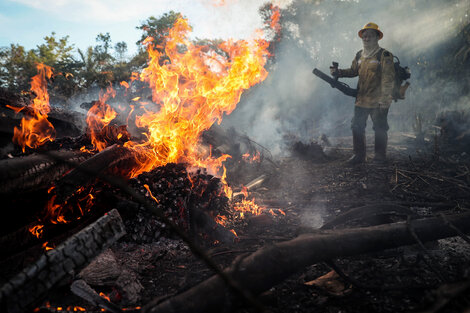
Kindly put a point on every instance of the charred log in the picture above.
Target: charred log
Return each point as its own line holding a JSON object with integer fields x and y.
{"x": 35, "y": 171}
{"x": 83, "y": 290}
{"x": 88, "y": 171}
{"x": 271, "y": 265}
{"x": 57, "y": 266}
{"x": 201, "y": 222}
{"x": 371, "y": 215}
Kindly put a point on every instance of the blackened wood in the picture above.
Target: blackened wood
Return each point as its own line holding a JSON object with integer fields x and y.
{"x": 202, "y": 222}
{"x": 371, "y": 214}
{"x": 271, "y": 265}
{"x": 36, "y": 171}
{"x": 57, "y": 266}
{"x": 88, "y": 171}
{"x": 84, "y": 291}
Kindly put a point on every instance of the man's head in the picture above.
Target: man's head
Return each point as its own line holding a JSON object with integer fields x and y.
{"x": 370, "y": 38}
{"x": 370, "y": 34}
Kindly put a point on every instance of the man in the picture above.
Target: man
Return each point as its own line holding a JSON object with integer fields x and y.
{"x": 374, "y": 66}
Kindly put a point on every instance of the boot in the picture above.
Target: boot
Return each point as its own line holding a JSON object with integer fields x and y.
{"x": 381, "y": 139}
{"x": 359, "y": 148}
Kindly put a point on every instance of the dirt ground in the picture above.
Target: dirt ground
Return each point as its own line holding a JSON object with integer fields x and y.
{"x": 311, "y": 191}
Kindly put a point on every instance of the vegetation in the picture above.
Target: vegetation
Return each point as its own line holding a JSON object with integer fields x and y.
{"x": 76, "y": 70}
{"x": 304, "y": 24}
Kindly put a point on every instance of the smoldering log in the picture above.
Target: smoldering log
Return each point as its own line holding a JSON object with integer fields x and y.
{"x": 201, "y": 221}
{"x": 36, "y": 171}
{"x": 87, "y": 171}
{"x": 57, "y": 266}
{"x": 271, "y": 265}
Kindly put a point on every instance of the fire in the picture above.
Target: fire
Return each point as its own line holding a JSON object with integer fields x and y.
{"x": 16, "y": 109}
{"x": 35, "y": 129}
{"x": 105, "y": 296}
{"x": 248, "y": 206}
{"x": 252, "y": 159}
{"x": 193, "y": 86}
{"x": 98, "y": 118}
{"x": 227, "y": 190}
{"x": 194, "y": 89}
{"x": 150, "y": 193}
{"x": 46, "y": 247}
{"x": 37, "y": 230}
{"x": 275, "y": 19}
{"x": 221, "y": 220}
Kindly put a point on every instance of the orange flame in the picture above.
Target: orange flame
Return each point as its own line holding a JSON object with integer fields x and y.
{"x": 36, "y": 130}
{"x": 275, "y": 19}
{"x": 194, "y": 89}
{"x": 16, "y": 109}
{"x": 46, "y": 247}
{"x": 150, "y": 193}
{"x": 98, "y": 117}
{"x": 227, "y": 190}
{"x": 248, "y": 206}
{"x": 37, "y": 230}
{"x": 221, "y": 220}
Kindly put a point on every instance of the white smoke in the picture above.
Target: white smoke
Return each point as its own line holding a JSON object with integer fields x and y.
{"x": 294, "y": 101}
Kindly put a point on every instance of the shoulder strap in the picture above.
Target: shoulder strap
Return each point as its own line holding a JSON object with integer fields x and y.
{"x": 379, "y": 54}
{"x": 358, "y": 55}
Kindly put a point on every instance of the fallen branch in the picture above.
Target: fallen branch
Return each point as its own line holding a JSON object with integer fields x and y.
{"x": 271, "y": 265}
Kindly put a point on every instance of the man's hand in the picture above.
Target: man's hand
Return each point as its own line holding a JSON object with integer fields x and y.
{"x": 334, "y": 71}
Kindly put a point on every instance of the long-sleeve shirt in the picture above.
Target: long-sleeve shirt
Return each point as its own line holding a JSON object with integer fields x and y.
{"x": 376, "y": 79}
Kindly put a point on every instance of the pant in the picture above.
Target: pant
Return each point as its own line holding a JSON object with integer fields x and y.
{"x": 380, "y": 126}
{"x": 378, "y": 116}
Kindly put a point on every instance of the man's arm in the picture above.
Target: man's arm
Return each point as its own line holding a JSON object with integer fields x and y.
{"x": 388, "y": 78}
{"x": 353, "y": 71}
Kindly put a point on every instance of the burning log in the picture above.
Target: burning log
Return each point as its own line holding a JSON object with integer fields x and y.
{"x": 13, "y": 107}
{"x": 271, "y": 265}
{"x": 87, "y": 171}
{"x": 35, "y": 171}
{"x": 204, "y": 223}
{"x": 28, "y": 287}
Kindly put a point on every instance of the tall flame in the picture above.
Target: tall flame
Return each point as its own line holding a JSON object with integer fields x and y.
{"x": 194, "y": 88}
{"x": 98, "y": 117}
{"x": 35, "y": 129}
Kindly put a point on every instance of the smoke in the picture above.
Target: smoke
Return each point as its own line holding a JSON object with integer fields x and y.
{"x": 294, "y": 103}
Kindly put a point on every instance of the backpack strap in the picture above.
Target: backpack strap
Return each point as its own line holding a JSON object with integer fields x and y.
{"x": 358, "y": 55}
{"x": 379, "y": 54}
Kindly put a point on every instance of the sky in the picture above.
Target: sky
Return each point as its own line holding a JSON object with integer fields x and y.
{"x": 27, "y": 22}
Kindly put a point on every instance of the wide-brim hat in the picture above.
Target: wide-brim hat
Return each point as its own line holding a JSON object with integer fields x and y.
{"x": 373, "y": 26}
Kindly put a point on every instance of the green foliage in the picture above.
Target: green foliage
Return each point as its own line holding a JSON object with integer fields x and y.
{"x": 76, "y": 70}
{"x": 158, "y": 28}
